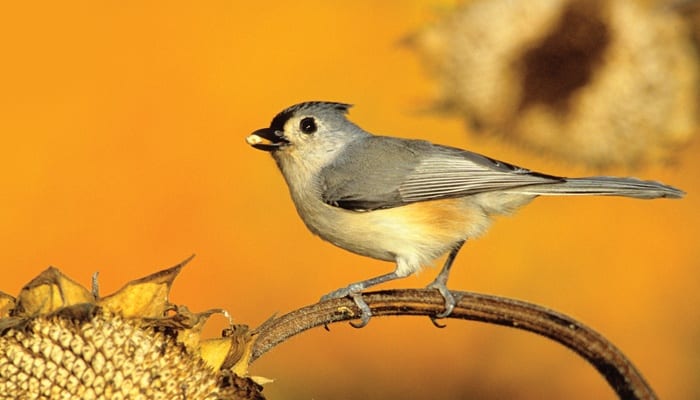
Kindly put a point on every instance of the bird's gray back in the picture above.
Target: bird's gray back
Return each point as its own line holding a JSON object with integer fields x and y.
{"x": 383, "y": 172}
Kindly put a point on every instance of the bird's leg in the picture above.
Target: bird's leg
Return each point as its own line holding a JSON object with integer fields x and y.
{"x": 354, "y": 291}
{"x": 440, "y": 282}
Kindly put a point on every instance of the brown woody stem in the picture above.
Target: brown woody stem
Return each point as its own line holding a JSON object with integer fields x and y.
{"x": 622, "y": 376}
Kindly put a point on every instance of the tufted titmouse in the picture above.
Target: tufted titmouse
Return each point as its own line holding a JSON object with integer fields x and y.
{"x": 401, "y": 200}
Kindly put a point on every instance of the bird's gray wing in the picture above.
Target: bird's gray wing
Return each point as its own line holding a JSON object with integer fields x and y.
{"x": 383, "y": 172}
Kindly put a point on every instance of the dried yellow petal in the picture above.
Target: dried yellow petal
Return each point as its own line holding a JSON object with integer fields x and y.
{"x": 146, "y": 297}
{"x": 50, "y": 291}
{"x": 7, "y": 303}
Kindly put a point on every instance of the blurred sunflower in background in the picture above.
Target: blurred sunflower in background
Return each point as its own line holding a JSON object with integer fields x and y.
{"x": 596, "y": 83}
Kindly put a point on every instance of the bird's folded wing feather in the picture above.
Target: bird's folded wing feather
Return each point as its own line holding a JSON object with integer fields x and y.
{"x": 383, "y": 172}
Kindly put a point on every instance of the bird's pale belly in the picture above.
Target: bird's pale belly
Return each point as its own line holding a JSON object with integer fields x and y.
{"x": 412, "y": 235}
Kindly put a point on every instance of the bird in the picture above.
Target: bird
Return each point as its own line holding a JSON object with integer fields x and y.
{"x": 406, "y": 201}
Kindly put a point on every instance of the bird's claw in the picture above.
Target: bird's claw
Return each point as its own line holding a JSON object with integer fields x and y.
{"x": 355, "y": 293}
{"x": 365, "y": 312}
{"x": 449, "y": 302}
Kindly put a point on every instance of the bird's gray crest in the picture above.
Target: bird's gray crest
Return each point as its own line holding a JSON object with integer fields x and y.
{"x": 316, "y": 106}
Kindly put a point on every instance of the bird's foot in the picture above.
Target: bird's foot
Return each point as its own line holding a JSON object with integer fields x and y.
{"x": 449, "y": 301}
{"x": 353, "y": 291}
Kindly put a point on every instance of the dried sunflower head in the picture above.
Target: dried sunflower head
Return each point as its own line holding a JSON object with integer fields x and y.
{"x": 599, "y": 83}
{"x": 59, "y": 341}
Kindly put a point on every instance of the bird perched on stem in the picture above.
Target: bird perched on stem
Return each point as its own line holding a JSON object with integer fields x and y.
{"x": 401, "y": 200}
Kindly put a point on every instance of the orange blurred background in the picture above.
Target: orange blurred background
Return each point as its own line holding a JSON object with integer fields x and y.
{"x": 123, "y": 127}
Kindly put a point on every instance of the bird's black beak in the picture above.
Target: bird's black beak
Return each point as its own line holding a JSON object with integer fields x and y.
{"x": 267, "y": 139}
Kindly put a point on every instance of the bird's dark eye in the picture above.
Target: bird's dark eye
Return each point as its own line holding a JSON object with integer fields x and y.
{"x": 308, "y": 125}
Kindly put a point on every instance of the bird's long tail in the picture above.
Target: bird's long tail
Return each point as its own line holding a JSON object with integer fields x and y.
{"x": 606, "y": 186}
